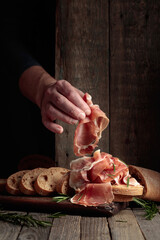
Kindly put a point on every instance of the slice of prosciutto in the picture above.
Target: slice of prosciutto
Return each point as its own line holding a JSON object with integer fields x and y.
{"x": 89, "y": 130}
{"x": 94, "y": 195}
{"x": 93, "y": 177}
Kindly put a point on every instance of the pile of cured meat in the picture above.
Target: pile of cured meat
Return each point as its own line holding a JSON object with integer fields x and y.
{"x": 93, "y": 174}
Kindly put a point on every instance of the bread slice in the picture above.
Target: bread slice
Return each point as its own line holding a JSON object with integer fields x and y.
{"x": 63, "y": 187}
{"x": 12, "y": 185}
{"x": 46, "y": 182}
{"x": 127, "y": 191}
{"x": 27, "y": 181}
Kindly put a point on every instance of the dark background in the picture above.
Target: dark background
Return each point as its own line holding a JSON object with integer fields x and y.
{"x": 23, "y": 133}
{"x": 110, "y": 49}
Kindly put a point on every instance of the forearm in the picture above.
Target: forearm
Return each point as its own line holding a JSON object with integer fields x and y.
{"x": 33, "y": 83}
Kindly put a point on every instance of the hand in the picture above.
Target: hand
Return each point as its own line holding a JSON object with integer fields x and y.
{"x": 64, "y": 102}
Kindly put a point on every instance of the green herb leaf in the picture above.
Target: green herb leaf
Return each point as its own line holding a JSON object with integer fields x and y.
{"x": 114, "y": 167}
{"x": 150, "y": 207}
{"x": 111, "y": 176}
{"x": 123, "y": 162}
{"x": 60, "y": 198}
{"x": 80, "y": 197}
{"x": 23, "y": 219}
{"x": 128, "y": 182}
{"x": 56, "y": 215}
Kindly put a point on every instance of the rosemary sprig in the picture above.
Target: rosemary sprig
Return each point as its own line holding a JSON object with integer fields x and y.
{"x": 111, "y": 176}
{"x": 128, "y": 181}
{"x": 114, "y": 167}
{"x": 23, "y": 219}
{"x": 150, "y": 207}
{"x": 123, "y": 162}
{"x": 80, "y": 197}
{"x": 60, "y": 198}
{"x": 56, "y": 215}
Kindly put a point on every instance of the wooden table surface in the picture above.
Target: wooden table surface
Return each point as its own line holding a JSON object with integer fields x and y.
{"x": 128, "y": 224}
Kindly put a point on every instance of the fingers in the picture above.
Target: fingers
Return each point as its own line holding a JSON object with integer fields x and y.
{"x": 53, "y": 113}
{"x": 53, "y": 127}
{"x": 74, "y": 95}
{"x": 64, "y": 102}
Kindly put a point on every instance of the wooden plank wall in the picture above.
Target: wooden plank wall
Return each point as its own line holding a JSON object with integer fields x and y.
{"x": 111, "y": 49}
{"x": 134, "y": 81}
{"x": 82, "y": 52}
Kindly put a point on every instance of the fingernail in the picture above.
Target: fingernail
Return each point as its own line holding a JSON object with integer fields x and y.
{"x": 88, "y": 112}
{"x": 74, "y": 122}
{"x": 59, "y": 129}
{"x": 81, "y": 116}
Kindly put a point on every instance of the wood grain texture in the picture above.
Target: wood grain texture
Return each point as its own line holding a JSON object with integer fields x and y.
{"x": 36, "y": 233}
{"x": 82, "y": 52}
{"x": 94, "y": 228}
{"x": 66, "y": 228}
{"x": 124, "y": 226}
{"x": 149, "y": 228}
{"x": 9, "y": 231}
{"x": 134, "y": 81}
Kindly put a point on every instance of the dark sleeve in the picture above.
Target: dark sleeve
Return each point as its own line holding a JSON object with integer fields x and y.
{"x": 15, "y": 48}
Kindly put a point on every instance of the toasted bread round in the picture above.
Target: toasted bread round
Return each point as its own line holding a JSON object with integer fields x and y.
{"x": 26, "y": 184}
{"x": 46, "y": 182}
{"x": 127, "y": 191}
{"x": 63, "y": 185}
{"x": 12, "y": 185}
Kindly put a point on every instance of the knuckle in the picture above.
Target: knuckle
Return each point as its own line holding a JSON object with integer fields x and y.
{"x": 72, "y": 112}
{"x": 58, "y": 100}
{"x": 71, "y": 95}
{"x": 63, "y": 84}
{"x": 49, "y": 109}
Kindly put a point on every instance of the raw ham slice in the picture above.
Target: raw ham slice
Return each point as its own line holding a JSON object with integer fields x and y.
{"x": 89, "y": 130}
{"x": 94, "y": 195}
{"x": 92, "y": 178}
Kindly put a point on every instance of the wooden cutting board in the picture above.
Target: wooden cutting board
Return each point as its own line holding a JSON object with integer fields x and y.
{"x": 46, "y": 204}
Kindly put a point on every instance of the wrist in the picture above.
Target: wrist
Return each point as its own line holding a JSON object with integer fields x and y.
{"x": 33, "y": 83}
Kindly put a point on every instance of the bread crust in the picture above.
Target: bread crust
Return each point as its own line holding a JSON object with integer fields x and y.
{"x": 12, "y": 185}
{"x": 150, "y": 179}
{"x": 122, "y": 198}
{"x": 46, "y": 182}
{"x": 27, "y": 181}
{"x": 127, "y": 190}
{"x": 63, "y": 187}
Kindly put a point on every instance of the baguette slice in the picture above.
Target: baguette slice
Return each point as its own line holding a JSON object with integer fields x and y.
{"x": 27, "y": 181}
{"x": 127, "y": 191}
{"x": 12, "y": 185}
{"x": 47, "y": 180}
{"x": 63, "y": 187}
